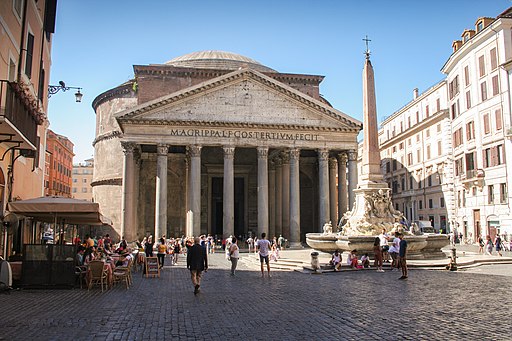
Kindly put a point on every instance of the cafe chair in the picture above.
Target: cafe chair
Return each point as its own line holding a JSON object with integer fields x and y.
{"x": 97, "y": 273}
{"x": 123, "y": 273}
{"x": 81, "y": 274}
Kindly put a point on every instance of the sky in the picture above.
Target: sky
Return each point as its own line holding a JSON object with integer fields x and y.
{"x": 97, "y": 42}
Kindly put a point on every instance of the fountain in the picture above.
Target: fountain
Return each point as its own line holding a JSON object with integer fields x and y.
{"x": 373, "y": 208}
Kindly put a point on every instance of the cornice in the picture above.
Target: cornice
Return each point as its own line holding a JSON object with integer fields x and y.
{"x": 233, "y": 76}
{"x": 218, "y": 124}
{"x": 110, "y": 135}
{"x": 159, "y": 69}
{"x": 440, "y": 115}
{"x": 118, "y": 91}
{"x": 108, "y": 182}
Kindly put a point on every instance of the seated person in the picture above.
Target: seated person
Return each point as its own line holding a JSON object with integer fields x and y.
{"x": 336, "y": 260}
{"x": 80, "y": 255}
{"x": 125, "y": 258}
{"x": 365, "y": 261}
{"x": 352, "y": 259}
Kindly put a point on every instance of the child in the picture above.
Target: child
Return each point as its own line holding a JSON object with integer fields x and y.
{"x": 352, "y": 259}
{"x": 336, "y": 260}
{"x": 365, "y": 261}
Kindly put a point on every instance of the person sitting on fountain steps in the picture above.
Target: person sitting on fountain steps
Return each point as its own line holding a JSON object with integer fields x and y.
{"x": 352, "y": 259}
{"x": 336, "y": 260}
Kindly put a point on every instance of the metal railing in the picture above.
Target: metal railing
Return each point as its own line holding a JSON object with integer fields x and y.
{"x": 16, "y": 110}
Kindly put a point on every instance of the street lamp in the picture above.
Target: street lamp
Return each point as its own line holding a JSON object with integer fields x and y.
{"x": 53, "y": 89}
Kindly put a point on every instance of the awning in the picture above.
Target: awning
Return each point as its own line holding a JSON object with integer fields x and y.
{"x": 60, "y": 210}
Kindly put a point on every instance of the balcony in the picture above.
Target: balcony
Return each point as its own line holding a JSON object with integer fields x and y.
{"x": 473, "y": 177}
{"x": 19, "y": 116}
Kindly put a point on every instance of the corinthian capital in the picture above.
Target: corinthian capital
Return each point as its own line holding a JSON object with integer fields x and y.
{"x": 323, "y": 154}
{"x": 262, "y": 152}
{"x": 229, "y": 152}
{"x": 194, "y": 150}
{"x": 352, "y": 155}
{"x": 333, "y": 163}
{"x": 342, "y": 158}
{"x": 128, "y": 147}
{"x": 294, "y": 154}
{"x": 162, "y": 149}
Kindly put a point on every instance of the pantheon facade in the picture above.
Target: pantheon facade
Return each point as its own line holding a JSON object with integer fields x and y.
{"x": 216, "y": 143}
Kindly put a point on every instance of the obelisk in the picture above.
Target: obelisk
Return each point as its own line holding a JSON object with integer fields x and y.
{"x": 373, "y": 208}
{"x": 370, "y": 172}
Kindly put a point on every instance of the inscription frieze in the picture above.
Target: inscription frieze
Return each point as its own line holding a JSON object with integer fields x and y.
{"x": 243, "y": 134}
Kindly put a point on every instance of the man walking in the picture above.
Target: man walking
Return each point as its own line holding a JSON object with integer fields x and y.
{"x": 264, "y": 246}
{"x": 197, "y": 262}
{"x": 402, "y": 256}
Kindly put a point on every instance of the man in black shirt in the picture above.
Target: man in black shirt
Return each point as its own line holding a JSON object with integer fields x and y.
{"x": 197, "y": 262}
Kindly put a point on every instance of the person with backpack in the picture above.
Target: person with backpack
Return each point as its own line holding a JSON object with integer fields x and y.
{"x": 161, "y": 252}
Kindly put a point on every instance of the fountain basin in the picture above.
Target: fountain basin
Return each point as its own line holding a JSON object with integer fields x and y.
{"x": 418, "y": 246}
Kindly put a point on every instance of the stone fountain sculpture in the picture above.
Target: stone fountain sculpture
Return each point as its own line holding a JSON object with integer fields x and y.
{"x": 373, "y": 208}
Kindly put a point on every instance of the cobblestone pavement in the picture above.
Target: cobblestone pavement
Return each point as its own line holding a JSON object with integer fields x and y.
{"x": 358, "y": 305}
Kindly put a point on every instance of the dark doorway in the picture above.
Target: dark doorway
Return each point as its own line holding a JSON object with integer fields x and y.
{"x": 239, "y": 206}
{"x": 217, "y": 193}
{"x": 218, "y": 208}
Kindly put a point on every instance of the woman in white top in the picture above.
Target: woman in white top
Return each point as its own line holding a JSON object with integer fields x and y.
{"x": 233, "y": 255}
{"x": 393, "y": 251}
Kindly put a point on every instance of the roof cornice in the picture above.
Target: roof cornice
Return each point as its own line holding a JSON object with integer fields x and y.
{"x": 233, "y": 76}
{"x": 120, "y": 90}
{"x": 477, "y": 39}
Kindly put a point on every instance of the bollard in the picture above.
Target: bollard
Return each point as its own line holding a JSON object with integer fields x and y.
{"x": 315, "y": 263}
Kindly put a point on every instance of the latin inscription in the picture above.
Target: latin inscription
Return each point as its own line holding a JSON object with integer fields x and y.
{"x": 243, "y": 134}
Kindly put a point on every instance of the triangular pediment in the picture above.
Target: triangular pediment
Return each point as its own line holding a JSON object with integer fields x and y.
{"x": 240, "y": 98}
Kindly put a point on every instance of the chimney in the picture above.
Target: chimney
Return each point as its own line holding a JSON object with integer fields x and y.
{"x": 415, "y": 93}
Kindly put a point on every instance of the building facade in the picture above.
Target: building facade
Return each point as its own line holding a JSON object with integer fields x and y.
{"x": 479, "y": 102}
{"x": 215, "y": 142}
{"x": 25, "y": 45}
{"x": 416, "y": 158}
{"x": 60, "y": 160}
{"x": 446, "y": 150}
{"x": 82, "y": 178}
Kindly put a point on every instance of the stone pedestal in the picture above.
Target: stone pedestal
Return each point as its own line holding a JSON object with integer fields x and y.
{"x": 373, "y": 210}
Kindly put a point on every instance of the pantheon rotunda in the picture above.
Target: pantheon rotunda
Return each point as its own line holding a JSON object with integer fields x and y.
{"x": 216, "y": 143}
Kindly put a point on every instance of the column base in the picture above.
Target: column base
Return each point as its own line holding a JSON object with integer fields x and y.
{"x": 295, "y": 246}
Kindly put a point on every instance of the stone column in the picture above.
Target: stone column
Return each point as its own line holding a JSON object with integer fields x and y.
{"x": 263, "y": 191}
{"x": 279, "y": 196}
{"x": 286, "y": 194}
{"x": 333, "y": 197}
{"x": 161, "y": 191}
{"x": 195, "y": 188}
{"x": 272, "y": 199}
{"x": 294, "y": 197}
{"x": 352, "y": 177}
{"x": 323, "y": 188}
{"x": 342, "y": 185}
{"x": 228, "y": 201}
{"x": 127, "y": 203}
{"x": 135, "y": 215}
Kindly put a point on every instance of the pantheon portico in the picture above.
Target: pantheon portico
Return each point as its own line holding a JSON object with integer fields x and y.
{"x": 216, "y": 143}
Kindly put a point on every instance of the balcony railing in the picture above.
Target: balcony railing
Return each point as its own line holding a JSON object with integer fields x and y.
{"x": 472, "y": 174}
{"x": 20, "y": 115}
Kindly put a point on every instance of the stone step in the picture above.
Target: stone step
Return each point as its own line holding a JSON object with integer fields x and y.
{"x": 281, "y": 264}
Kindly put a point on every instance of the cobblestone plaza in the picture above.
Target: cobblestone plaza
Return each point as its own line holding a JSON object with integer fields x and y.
{"x": 353, "y": 305}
